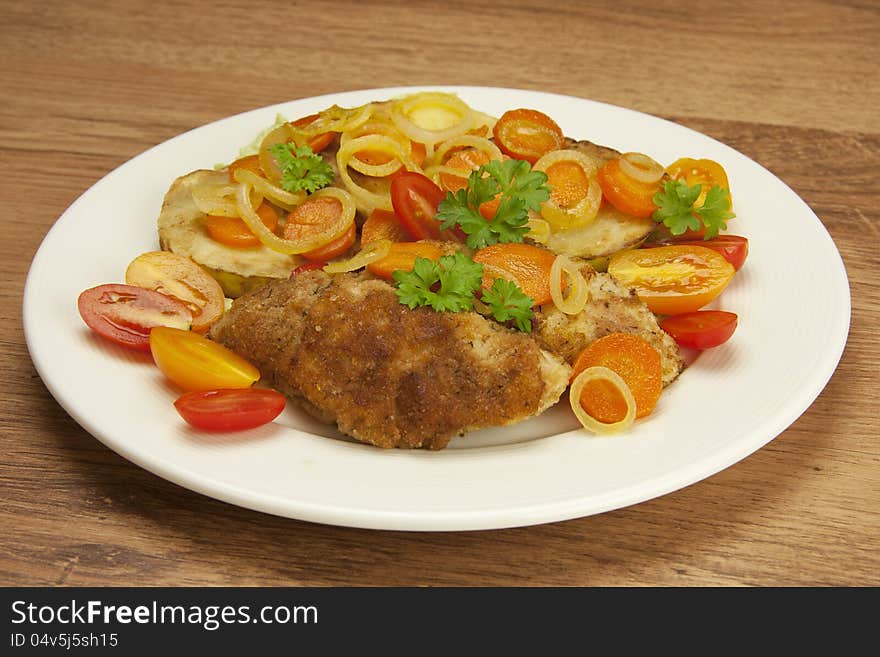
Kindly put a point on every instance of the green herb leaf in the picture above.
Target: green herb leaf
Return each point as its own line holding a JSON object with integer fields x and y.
{"x": 456, "y": 278}
{"x": 676, "y": 211}
{"x": 715, "y": 211}
{"x": 507, "y": 301}
{"x": 301, "y": 169}
{"x": 521, "y": 190}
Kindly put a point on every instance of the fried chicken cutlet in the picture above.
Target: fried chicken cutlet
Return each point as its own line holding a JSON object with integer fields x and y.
{"x": 388, "y": 375}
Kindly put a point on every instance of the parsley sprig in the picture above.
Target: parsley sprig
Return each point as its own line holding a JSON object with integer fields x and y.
{"x": 301, "y": 169}
{"x": 521, "y": 190}
{"x": 449, "y": 285}
{"x": 675, "y": 208}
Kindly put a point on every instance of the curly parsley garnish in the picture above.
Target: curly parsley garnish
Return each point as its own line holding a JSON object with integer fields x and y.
{"x": 301, "y": 169}
{"x": 521, "y": 190}
{"x": 675, "y": 208}
{"x": 449, "y": 285}
{"x": 506, "y": 301}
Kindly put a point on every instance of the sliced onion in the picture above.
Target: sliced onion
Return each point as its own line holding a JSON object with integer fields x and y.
{"x": 403, "y": 109}
{"x": 375, "y": 250}
{"x": 219, "y": 199}
{"x": 539, "y": 229}
{"x": 280, "y": 135}
{"x": 377, "y": 125}
{"x": 402, "y": 155}
{"x": 281, "y": 245}
{"x": 335, "y": 119}
{"x": 366, "y": 200}
{"x": 466, "y": 141}
{"x": 578, "y": 291}
{"x": 434, "y": 173}
{"x": 588, "y": 421}
{"x": 640, "y": 167}
{"x": 584, "y": 211}
{"x": 281, "y": 197}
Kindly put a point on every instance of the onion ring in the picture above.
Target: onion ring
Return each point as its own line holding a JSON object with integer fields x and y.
{"x": 642, "y": 168}
{"x": 588, "y": 421}
{"x": 375, "y": 250}
{"x": 578, "y": 290}
{"x": 281, "y": 245}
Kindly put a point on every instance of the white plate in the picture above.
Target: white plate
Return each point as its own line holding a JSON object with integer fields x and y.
{"x": 794, "y": 310}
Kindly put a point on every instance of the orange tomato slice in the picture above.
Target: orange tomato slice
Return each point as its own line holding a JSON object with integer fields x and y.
{"x": 672, "y": 279}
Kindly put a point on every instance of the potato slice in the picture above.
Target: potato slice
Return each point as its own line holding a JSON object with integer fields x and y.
{"x": 610, "y": 231}
{"x": 182, "y": 231}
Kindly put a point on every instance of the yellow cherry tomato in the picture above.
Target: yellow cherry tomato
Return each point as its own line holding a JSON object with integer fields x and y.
{"x": 707, "y": 173}
{"x": 672, "y": 279}
{"x": 193, "y": 362}
{"x": 181, "y": 278}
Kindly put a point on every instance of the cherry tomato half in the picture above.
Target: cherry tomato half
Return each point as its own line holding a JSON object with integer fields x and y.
{"x": 527, "y": 134}
{"x": 702, "y": 329}
{"x": 230, "y": 410}
{"x": 672, "y": 280}
{"x": 193, "y": 362}
{"x": 415, "y": 199}
{"x": 734, "y": 248}
{"x": 126, "y": 314}
{"x": 181, "y": 278}
{"x": 707, "y": 173}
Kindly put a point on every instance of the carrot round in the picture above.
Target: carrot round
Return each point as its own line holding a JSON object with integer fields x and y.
{"x": 232, "y": 231}
{"x": 402, "y": 256}
{"x": 383, "y": 225}
{"x": 637, "y": 363}
{"x": 568, "y": 183}
{"x": 313, "y": 217}
{"x": 249, "y": 162}
{"x": 526, "y": 265}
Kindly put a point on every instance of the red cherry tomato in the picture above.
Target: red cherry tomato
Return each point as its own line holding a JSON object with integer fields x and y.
{"x": 415, "y": 199}
{"x": 702, "y": 329}
{"x": 230, "y": 410}
{"x": 125, "y": 314}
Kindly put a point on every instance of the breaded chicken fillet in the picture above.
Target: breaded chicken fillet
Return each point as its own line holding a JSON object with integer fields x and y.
{"x": 388, "y": 375}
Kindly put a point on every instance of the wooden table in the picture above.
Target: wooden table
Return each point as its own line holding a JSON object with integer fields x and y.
{"x": 87, "y": 85}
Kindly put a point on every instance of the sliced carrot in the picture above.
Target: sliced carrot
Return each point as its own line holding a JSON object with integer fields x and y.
{"x": 637, "y": 363}
{"x": 568, "y": 183}
{"x": 466, "y": 159}
{"x": 335, "y": 248}
{"x": 313, "y": 217}
{"x": 250, "y": 163}
{"x": 232, "y": 231}
{"x": 527, "y": 134}
{"x": 319, "y": 142}
{"x": 402, "y": 256}
{"x": 377, "y": 158}
{"x": 628, "y": 195}
{"x": 526, "y": 265}
{"x": 383, "y": 225}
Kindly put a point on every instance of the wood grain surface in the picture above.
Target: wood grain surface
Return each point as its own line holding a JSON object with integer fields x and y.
{"x": 793, "y": 85}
